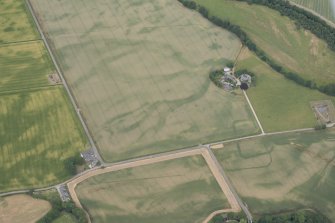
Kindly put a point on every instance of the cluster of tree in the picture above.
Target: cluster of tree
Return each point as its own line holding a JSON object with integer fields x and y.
{"x": 320, "y": 126}
{"x": 71, "y": 164}
{"x": 59, "y": 207}
{"x": 237, "y": 217}
{"x": 246, "y": 40}
{"x": 295, "y": 217}
{"x": 215, "y": 76}
{"x": 238, "y": 73}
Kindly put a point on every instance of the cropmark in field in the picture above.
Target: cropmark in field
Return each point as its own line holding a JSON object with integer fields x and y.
{"x": 181, "y": 190}
{"x": 285, "y": 172}
{"x": 139, "y": 70}
{"x": 39, "y": 129}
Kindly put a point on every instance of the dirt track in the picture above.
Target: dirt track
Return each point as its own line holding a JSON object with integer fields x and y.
{"x": 159, "y": 158}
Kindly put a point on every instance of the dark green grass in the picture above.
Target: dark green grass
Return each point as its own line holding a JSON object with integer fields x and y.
{"x": 285, "y": 172}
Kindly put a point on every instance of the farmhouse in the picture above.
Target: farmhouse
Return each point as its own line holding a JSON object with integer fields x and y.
{"x": 227, "y": 70}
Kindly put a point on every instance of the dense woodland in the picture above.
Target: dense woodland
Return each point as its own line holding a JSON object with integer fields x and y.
{"x": 302, "y": 18}
{"x": 295, "y": 217}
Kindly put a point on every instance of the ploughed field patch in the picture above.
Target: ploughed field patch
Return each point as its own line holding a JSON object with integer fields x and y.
{"x": 22, "y": 208}
{"x": 181, "y": 190}
{"x": 139, "y": 71}
{"x": 285, "y": 172}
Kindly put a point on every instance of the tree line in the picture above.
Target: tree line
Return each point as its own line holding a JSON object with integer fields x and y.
{"x": 305, "y": 19}
{"x": 301, "y": 216}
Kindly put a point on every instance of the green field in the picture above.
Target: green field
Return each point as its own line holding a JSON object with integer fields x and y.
{"x": 38, "y": 130}
{"x": 295, "y": 49}
{"x": 280, "y": 104}
{"x": 322, "y": 7}
{"x": 24, "y": 66}
{"x": 15, "y": 22}
{"x": 38, "y": 127}
{"x": 180, "y": 191}
{"x": 139, "y": 71}
{"x": 65, "y": 218}
{"x": 284, "y": 172}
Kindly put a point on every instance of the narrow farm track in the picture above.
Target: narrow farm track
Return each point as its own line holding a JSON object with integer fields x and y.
{"x": 253, "y": 112}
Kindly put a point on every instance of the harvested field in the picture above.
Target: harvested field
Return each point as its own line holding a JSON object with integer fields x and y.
{"x": 280, "y": 104}
{"x": 23, "y": 66}
{"x": 181, "y": 190}
{"x": 280, "y": 38}
{"x": 139, "y": 71}
{"x": 22, "y": 208}
{"x": 15, "y": 22}
{"x": 38, "y": 131}
{"x": 284, "y": 172}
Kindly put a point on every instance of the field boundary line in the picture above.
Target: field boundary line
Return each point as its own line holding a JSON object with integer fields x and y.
{"x": 53, "y": 58}
{"x": 253, "y": 111}
{"x": 7, "y": 44}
